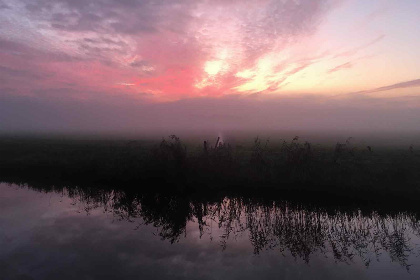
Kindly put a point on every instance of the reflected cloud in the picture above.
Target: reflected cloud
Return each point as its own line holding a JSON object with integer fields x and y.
{"x": 301, "y": 231}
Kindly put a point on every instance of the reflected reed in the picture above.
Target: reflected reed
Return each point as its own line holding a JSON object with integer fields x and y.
{"x": 301, "y": 230}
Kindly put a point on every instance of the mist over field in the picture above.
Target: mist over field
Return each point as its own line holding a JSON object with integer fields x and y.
{"x": 396, "y": 120}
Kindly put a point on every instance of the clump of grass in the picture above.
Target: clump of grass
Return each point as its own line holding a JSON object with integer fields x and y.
{"x": 170, "y": 159}
{"x": 297, "y": 159}
{"x": 345, "y": 151}
{"x": 171, "y": 152}
{"x": 259, "y": 154}
{"x": 260, "y": 163}
{"x": 213, "y": 163}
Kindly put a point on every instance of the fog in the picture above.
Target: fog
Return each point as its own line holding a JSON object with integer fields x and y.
{"x": 262, "y": 115}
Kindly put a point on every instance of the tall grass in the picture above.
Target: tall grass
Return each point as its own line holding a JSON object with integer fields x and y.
{"x": 292, "y": 166}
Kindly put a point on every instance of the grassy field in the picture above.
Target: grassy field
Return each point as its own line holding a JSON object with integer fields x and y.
{"x": 293, "y": 168}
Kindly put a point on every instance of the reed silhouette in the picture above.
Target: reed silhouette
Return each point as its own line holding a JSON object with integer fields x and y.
{"x": 292, "y": 169}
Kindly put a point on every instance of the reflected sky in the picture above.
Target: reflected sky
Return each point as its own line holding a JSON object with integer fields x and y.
{"x": 108, "y": 235}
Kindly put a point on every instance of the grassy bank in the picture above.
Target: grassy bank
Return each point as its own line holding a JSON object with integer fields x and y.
{"x": 292, "y": 168}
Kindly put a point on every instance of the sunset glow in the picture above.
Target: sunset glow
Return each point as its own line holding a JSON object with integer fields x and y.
{"x": 161, "y": 52}
{"x": 172, "y": 50}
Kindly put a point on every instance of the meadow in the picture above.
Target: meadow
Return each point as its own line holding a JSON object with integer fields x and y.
{"x": 293, "y": 169}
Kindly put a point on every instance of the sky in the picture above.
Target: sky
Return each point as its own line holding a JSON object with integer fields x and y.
{"x": 134, "y": 64}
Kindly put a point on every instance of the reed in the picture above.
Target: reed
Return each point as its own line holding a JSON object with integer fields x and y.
{"x": 289, "y": 167}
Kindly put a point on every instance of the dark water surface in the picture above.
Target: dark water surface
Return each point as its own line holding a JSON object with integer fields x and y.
{"x": 48, "y": 233}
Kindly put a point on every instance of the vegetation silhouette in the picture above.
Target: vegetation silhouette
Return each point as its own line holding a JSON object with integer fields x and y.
{"x": 301, "y": 230}
{"x": 292, "y": 169}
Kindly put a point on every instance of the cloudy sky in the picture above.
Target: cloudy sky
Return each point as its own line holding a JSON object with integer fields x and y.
{"x": 67, "y": 62}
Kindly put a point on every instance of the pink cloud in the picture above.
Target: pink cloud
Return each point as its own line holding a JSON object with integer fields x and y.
{"x": 355, "y": 50}
{"x": 160, "y": 47}
{"x": 407, "y": 84}
{"x": 346, "y": 65}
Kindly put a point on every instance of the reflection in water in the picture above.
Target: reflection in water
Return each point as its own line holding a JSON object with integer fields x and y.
{"x": 299, "y": 230}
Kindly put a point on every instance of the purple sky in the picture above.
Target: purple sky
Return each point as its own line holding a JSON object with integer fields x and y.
{"x": 127, "y": 64}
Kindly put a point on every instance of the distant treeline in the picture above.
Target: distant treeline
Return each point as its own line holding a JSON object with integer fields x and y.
{"x": 289, "y": 168}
